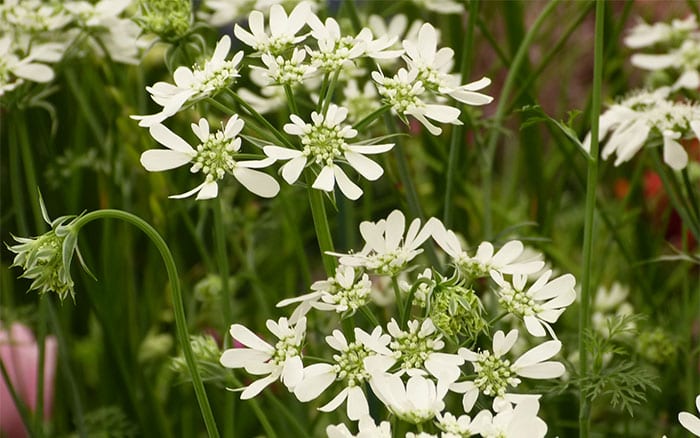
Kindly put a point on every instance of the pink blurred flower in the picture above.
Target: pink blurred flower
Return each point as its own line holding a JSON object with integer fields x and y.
{"x": 19, "y": 353}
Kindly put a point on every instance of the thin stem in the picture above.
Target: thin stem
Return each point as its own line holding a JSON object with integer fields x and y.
{"x": 457, "y": 136}
{"x": 399, "y": 300}
{"x": 513, "y": 74}
{"x": 329, "y": 92}
{"x": 290, "y": 99}
{"x": 591, "y": 182}
{"x": 371, "y": 117}
{"x": 259, "y": 118}
{"x": 223, "y": 265}
{"x": 693, "y": 200}
{"x": 178, "y": 305}
{"x": 323, "y": 230}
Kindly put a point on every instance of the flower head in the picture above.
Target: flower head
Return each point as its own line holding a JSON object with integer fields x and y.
{"x": 283, "y": 29}
{"x": 15, "y": 68}
{"x": 354, "y": 364}
{"x": 281, "y": 361}
{"x": 418, "y": 401}
{"x": 387, "y": 251}
{"x": 495, "y": 374}
{"x": 324, "y": 143}
{"x": 541, "y": 304}
{"x": 193, "y": 84}
{"x": 215, "y": 157}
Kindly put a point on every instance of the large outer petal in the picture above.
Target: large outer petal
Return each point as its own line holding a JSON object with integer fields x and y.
{"x": 537, "y": 354}
{"x": 169, "y": 139}
{"x": 257, "y": 182}
{"x": 157, "y": 160}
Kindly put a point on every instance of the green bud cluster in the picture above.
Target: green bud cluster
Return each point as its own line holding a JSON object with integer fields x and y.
{"x": 169, "y": 19}
{"x": 456, "y": 310}
{"x": 656, "y": 346}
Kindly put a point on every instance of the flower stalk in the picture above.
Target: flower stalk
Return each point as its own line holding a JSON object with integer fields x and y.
{"x": 591, "y": 182}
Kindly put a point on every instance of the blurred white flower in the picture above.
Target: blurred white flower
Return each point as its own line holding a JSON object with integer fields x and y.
{"x": 193, "y": 84}
{"x": 32, "y": 17}
{"x": 434, "y": 68}
{"x": 690, "y": 421}
{"x": 15, "y": 68}
{"x": 462, "y": 426}
{"x": 280, "y": 71}
{"x": 495, "y": 374}
{"x": 541, "y": 304}
{"x": 441, "y": 6}
{"x": 685, "y": 60}
{"x": 360, "y": 103}
{"x": 282, "y": 29}
{"x": 354, "y": 365}
{"x": 215, "y": 156}
{"x": 403, "y": 93}
{"x": 520, "y": 421}
{"x": 420, "y": 400}
{"x": 367, "y": 429}
{"x": 645, "y": 35}
{"x": 386, "y": 250}
{"x": 324, "y": 143}
{"x": 632, "y": 122}
{"x": 507, "y": 260}
{"x": 281, "y": 361}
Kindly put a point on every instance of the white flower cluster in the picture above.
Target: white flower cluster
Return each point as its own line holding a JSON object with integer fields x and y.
{"x": 681, "y": 42}
{"x": 288, "y": 73}
{"x": 36, "y": 34}
{"x": 644, "y": 116}
{"x": 413, "y": 361}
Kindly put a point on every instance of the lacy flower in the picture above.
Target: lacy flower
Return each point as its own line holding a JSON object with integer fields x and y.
{"x": 283, "y": 29}
{"x": 495, "y": 374}
{"x": 507, "y": 260}
{"x": 645, "y": 35}
{"x": 367, "y": 429}
{"x": 685, "y": 60}
{"x": 215, "y": 157}
{"x": 282, "y": 71}
{"x": 541, "y": 304}
{"x": 643, "y": 115}
{"x": 462, "y": 426}
{"x": 15, "y": 69}
{"x": 520, "y": 421}
{"x": 193, "y": 84}
{"x": 386, "y": 250}
{"x": 324, "y": 144}
{"x": 281, "y": 361}
{"x": 434, "y": 68}
{"x": 353, "y": 365}
{"x": 420, "y": 400}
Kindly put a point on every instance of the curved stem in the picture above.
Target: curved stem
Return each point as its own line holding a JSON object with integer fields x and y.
{"x": 591, "y": 181}
{"x": 321, "y": 226}
{"x": 178, "y": 305}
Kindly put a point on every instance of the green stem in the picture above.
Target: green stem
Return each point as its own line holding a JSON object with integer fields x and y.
{"x": 513, "y": 75}
{"x": 323, "y": 230}
{"x": 457, "y": 135}
{"x": 290, "y": 99}
{"x": 371, "y": 117}
{"x": 693, "y": 200}
{"x": 222, "y": 260}
{"x": 591, "y": 182}
{"x": 260, "y": 119}
{"x": 329, "y": 92}
{"x": 178, "y": 305}
{"x": 399, "y": 301}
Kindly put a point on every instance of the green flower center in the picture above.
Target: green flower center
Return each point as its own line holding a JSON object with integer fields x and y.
{"x": 494, "y": 374}
{"x": 350, "y": 366}
{"x": 214, "y": 157}
{"x": 518, "y": 302}
{"x": 323, "y": 144}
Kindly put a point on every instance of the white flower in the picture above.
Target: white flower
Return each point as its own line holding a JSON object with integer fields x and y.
{"x": 32, "y": 17}
{"x": 215, "y": 156}
{"x": 631, "y": 122}
{"x": 281, "y": 361}
{"x": 282, "y": 71}
{"x": 360, "y": 103}
{"x": 193, "y": 84}
{"x": 495, "y": 373}
{"x": 441, "y": 6}
{"x": 418, "y": 349}
{"x": 403, "y": 93}
{"x": 283, "y": 29}
{"x": 541, "y": 304}
{"x": 508, "y": 259}
{"x": 367, "y": 429}
{"x": 386, "y": 250}
{"x": 644, "y": 35}
{"x": 685, "y": 59}
{"x": 464, "y": 426}
{"x": 690, "y": 421}
{"x": 340, "y": 293}
{"x": 219, "y": 13}
{"x": 416, "y": 402}
{"x": 434, "y": 68}
{"x": 354, "y": 365}
{"x": 14, "y": 69}
{"x": 324, "y": 142}
{"x": 396, "y": 27}
{"x": 519, "y": 422}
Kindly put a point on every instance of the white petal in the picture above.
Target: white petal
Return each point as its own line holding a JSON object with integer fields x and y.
{"x": 357, "y": 404}
{"x": 470, "y": 97}
{"x": 395, "y": 226}
{"x": 280, "y": 153}
{"x": 246, "y": 337}
{"x": 544, "y": 370}
{"x": 311, "y": 387}
{"x": 349, "y": 188}
{"x": 156, "y": 160}
{"x": 690, "y": 422}
{"x": 364, "y": 166}
{"x": 503, "y": 343}
{"x": 674, "y": 154}
{"x": 169, "y": 139}
{"x": 537, "y": 354}
{"x": 335, "y": 402}
{"x": 534, "y": 327}
{"x": 325, "y": 180}
{"x": 208, "y": 191}
{"x": 254, "y": 388}
{"x": 257, "y": 182}
{"x": 293, "y": 372}
{"x": 371, "y": 148}
{"x": 442, "y": 113}
{"x": 34, "y": 72}
{"x": 653, "y": 62}
{"x": 292, "y": 170}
